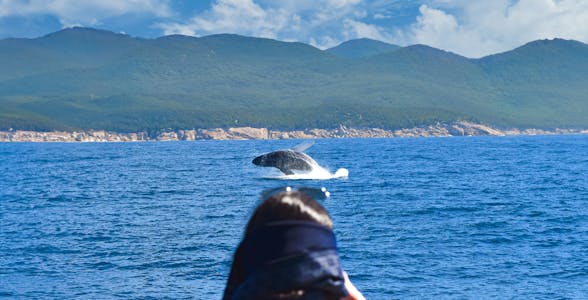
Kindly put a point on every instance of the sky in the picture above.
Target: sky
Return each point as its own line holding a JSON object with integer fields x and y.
{"x": 472, "y": 28}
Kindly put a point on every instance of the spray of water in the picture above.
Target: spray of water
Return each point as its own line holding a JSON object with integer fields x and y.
{"x": 317, "y": 173}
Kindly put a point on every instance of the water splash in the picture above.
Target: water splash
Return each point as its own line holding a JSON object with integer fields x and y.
{"x": 317, "y": 173}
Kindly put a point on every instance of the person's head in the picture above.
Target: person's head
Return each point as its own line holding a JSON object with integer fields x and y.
{"x": 289, "y": 205}
{"x": 288, "y": 252}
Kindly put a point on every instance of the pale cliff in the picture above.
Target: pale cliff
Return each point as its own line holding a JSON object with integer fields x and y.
{"x": 245, "y": 133}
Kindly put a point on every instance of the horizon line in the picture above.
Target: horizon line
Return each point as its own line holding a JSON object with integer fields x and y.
{"x": 278, "y": 40}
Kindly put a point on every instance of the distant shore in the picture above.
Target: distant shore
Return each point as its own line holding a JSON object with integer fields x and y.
{"x": 250, "y": 133}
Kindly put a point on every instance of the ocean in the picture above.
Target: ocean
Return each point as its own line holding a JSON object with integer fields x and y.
{"x": 450, "y": 218}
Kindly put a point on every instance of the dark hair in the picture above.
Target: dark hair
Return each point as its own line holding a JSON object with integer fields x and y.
{"x": 288, "y": 206}
{"x": 285, "y": 206}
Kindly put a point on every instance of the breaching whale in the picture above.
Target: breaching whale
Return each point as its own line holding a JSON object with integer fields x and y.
{"x": 289, "y": 160}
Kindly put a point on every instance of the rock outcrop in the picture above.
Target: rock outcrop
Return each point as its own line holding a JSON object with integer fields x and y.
{"x": 245, "y": 133}
{"x": 75, "y": 136}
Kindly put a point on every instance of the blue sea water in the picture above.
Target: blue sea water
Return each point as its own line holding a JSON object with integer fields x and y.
{"x": 471, "y": 217}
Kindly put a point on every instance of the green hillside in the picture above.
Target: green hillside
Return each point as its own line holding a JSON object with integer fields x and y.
{"x": 84, "y": 78}
{"x": 360, "y": 48}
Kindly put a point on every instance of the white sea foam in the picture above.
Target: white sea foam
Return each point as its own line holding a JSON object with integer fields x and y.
{"x": 317, "y": 173}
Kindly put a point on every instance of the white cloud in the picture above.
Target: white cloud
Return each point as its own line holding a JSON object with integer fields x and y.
{"x": 381, "y": 16}
{"x": 87, "y": 12}
{"x": 479, "y": 28}
{"x": 470, "y": 28}
{"x": 235, "y": 16}
{"x": 324, "y": 42}
{"x": 354, "y": 29}
{"x": 320, "y": 23}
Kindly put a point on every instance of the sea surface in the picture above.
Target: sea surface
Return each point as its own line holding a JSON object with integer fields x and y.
{"x": 426, "y": 218}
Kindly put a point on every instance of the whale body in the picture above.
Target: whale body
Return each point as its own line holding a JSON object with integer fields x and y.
{"x": 288, "y": 161}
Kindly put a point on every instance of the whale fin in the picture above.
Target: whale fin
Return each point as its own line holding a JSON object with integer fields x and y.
{"x": 286, "y": 171}
{"x": 303, "y": 146}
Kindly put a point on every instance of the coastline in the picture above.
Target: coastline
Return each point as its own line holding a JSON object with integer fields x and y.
{"x": 461, "y": 128}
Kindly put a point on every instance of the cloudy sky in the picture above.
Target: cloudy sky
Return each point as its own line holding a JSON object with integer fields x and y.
{"x": 472, "y": 28}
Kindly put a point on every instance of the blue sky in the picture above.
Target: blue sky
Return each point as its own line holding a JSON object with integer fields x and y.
{"x": 472, "y": 28}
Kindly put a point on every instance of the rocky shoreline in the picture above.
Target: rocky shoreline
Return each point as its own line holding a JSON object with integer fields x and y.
{"x": 247, "y": 133}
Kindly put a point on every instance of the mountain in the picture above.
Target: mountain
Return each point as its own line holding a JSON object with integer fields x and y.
{"x": 545, "y": 82}
{"x": 360, "y": 48}
{"x": 82, "y": 78}
{"x": 553, "y": 60}
{"x": 68, "y": 48}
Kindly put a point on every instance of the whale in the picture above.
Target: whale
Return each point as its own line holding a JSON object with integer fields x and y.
{"x": 289, "y": 160}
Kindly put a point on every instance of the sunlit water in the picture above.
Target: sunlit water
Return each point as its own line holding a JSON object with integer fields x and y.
{"x": 485, "y": 217}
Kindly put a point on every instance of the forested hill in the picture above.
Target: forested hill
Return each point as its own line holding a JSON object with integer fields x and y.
{"x": 83, "y": 78}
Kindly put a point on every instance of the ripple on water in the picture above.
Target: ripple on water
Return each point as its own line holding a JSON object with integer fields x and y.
{"x": 416, "y": 218}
